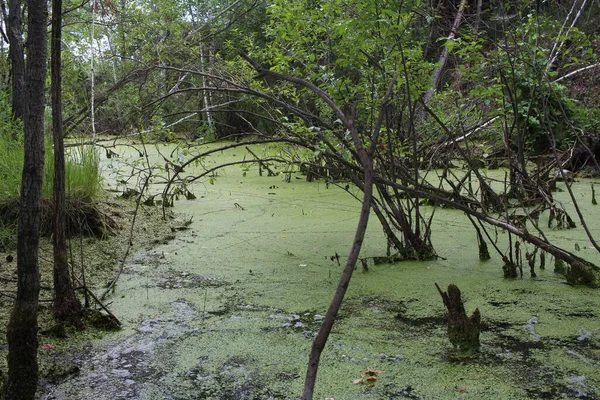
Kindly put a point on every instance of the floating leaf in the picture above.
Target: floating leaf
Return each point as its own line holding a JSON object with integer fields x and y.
{"x": 368, "y": 377}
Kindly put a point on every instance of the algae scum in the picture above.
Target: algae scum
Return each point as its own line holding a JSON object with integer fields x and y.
{"x": 229, "y": 307}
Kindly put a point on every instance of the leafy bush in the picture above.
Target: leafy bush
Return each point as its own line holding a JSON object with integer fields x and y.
{"x": 516, "y": 78}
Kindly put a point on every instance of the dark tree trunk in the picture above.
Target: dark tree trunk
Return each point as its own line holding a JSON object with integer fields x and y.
{"x": 334, "y": 307}
{"x": 66, "y": 306}
{"x": 417, "y": 245}
{"x": 17, "y": 60}
{"x": 22, "y": 328}
{"x": 365, "y": 158}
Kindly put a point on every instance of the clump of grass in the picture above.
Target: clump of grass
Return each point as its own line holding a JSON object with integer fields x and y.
{"x": 81, "y": 169}
{"x": 83, "y": 185}
{"x": 11, "y": 167}
{"x": 8, "y": 239}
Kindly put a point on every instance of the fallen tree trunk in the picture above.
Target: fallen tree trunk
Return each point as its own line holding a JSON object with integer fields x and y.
{"x": 580, "y": 271}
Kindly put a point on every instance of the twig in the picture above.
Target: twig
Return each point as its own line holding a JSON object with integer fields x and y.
{"x": 455, "y": 140}
{"x": 261, "y": 163}
{"x": 135, "y": 213}
{"x": 102, "y": 306}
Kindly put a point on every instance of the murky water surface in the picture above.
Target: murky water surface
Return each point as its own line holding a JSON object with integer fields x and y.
{"x": 229, "y": 308}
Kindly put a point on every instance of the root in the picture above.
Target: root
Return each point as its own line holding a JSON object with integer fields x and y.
{"x": 81, "y": 218}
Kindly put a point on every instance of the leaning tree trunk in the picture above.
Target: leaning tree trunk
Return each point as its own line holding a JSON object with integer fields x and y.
{"x": 365, "y": 158}
{"x": 334, "y": 307}
{"x": 66, "y": 306}
{"x": 22, "y": 327}
{"x": 437, "y": 72}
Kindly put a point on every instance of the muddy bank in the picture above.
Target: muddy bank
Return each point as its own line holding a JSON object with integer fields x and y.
{"x": 228, "y": 309}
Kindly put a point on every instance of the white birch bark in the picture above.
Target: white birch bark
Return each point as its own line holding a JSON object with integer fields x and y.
{"x": 437, "y": 72}
{"x": 558, "y": 44}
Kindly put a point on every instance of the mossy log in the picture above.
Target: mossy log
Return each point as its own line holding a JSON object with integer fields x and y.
{"x": 463, "y": 331}
{"x": 582, "y": 273}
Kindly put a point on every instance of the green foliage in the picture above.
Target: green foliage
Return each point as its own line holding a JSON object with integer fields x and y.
{"x": 515, "y": 78}
{"x": 588, "y": 119}
{"x": 11, "y": 151}
{"x": 11, "y": 166}
{"x": 149, "y": 56}
{"x": 350, "y": 49}
{"x": 11, "y": 160}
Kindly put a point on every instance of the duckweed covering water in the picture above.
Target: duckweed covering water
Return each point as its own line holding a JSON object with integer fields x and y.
{"x": 229, "y": 308}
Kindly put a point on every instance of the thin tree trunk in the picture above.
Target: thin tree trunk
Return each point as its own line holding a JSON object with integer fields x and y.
{"x": 365, "y": 157}
{"x": 334, "y": 307}
{"x": 437, "y": 72}
{"x": 17, "y": 59}
{"x": 93, "y": 74}
{"x": 205, "y": 93}
{"x": 577, "y": 71}
{"x": 4, "y": 22}
{"x": 477, "y": 16}
{"x": 66, "y": 306}
{"x": 557, "y": 47}
{"x": 22, "y": 327}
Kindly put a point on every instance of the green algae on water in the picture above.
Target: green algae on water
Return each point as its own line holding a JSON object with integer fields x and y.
{"x": 232, "y": 305}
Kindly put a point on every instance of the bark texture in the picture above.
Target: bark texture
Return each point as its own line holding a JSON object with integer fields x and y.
{"x": 17, "y": 59}
{"x": 22, "y": 327}
{"x": 66, "y": 306}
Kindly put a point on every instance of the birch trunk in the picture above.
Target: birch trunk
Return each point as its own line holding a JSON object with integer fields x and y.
{"x": 437, "y": 72}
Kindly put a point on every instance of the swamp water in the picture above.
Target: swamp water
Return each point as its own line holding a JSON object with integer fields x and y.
{"x": 229, "y": 308}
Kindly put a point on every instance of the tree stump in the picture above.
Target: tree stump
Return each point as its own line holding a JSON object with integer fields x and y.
{"x": 463, "y": 331}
